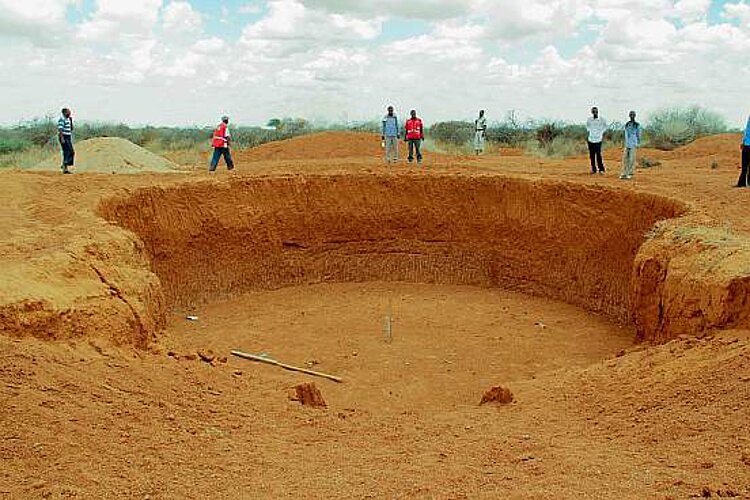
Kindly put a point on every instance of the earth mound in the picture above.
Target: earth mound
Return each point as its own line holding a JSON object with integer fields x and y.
{"x": 499, "y": 395}
{"x": 321, "y": 146}
{"x": 112, "y": 155}
{"x": 309, "y": 395}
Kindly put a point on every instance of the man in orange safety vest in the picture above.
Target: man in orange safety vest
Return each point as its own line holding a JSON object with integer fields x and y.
{"x": 220, "y": 143}
{"x": 414, "y": 136}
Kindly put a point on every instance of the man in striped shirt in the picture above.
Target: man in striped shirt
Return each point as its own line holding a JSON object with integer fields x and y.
{"x": 65, "y": 135}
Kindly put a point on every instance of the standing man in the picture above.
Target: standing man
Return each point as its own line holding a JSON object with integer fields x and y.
{"x": 65, "y": 136}
{"x": 220, "y": 143}
{"x": 745, "y": 148}
{"x": 480, "y": 132}
{"x": 632, "y": 141}
{"x": 596, "y": 128}
{"x": 414, "y": 136}
{"x": 390, "y": 136}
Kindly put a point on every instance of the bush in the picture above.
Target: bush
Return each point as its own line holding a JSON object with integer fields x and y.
{"x": 560, "y": 147}
{"x": 509, "y": 134}
{"x": 13, "y": 145}
{"x": 456, "y": 133}
{"x": 39, "y": 131}
{"x": 671, "y": 128}
{"x": 375, "y": 127}
{"x": 546, "y": 133}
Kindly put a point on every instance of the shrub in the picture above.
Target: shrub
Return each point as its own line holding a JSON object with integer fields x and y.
{"x": 39, "y": 131}
{"x": 546, "y": 133}
{"x": 456, "y": 133}
{"x": 670, "y": 128}
{"x": 560, "y": 147}
{"x": 509, "y": 134}
{"x": 13, "y": 145}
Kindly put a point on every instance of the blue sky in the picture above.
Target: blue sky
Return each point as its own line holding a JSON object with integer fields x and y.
{"x": 188, "y": 61}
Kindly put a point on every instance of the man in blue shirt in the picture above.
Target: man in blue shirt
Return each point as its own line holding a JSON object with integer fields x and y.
{"x": 745, "y": 148}
{"x": 632, "y": 141}
{"x": 65, "y": 136}
{"x": 390, "y": 136}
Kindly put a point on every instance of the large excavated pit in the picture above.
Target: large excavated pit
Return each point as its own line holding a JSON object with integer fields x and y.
{"x": 575, "y": 243}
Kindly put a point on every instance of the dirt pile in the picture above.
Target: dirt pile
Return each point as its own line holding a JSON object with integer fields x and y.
{"x": 308, "y": 395}
{"x": 499, "y": 395}
{"x": 112, "y": 155}
{"x": 723, "y": 144}
{"x": 323, "y": 146}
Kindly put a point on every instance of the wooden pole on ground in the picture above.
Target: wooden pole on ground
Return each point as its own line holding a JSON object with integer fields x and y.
{"x": 270, "y": 361}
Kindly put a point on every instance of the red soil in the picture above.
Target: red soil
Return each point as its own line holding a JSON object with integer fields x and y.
{"x": 325, "y": 146}
{"x": 100, "y": 265}
{"x": 308, "y": 394}
{"x": 498, "y": 394}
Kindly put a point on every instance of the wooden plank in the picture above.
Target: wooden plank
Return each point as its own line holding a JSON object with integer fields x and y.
{"x": 261, "y": 359}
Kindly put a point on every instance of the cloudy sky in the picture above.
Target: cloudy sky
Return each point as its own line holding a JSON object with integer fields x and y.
{"x": 176, "y": 62}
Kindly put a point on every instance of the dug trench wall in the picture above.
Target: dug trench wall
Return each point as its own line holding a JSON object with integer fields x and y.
{"x": 689, "y": 278}
{"x": 576, "y": 243}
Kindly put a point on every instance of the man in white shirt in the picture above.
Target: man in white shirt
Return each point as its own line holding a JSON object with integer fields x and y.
{"x": 596, "y": 128}
{"x": 480, "y": 132}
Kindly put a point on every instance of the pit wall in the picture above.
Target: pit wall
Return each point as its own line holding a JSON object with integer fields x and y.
{"x": 98, "y": 284}
{"x": 570, "y": 242}
{"x": 689, "y": 279}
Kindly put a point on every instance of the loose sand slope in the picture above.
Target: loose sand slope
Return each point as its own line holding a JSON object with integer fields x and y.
{"x": 595, "y": 416}
{"x": 323, "y": 146}
{"x": 328, "y": 145}
{"x": 112, "y": 155}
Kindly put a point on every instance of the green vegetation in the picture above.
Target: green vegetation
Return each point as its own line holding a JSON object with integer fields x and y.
{"x": 30, "y": 142}
{"x": 665, "y": 129}
{"x": 27, "y": 143}
{"x": 674, "y": 127}
{"x": 542, "y": 138}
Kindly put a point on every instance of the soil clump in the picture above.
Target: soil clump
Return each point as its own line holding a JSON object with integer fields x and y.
{"x": 308, "y": 394}
{"x": 498, "y": 395}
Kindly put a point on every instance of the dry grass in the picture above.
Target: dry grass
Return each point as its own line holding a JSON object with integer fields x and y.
{"x": 26, "y": 158}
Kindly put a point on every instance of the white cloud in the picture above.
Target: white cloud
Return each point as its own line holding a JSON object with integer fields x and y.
{"x": 434, "y": 48}
{"x": 180, "y": 17}
{"x": 117, "y": 18}
{"x": 739, "y": 11}
{"x": 290, "y": 28}
{"x": 40, "y": 22}
{"x": 520, "y": 19}
{"x": 692, "y": 10}
{"x": 638, "y": 40}
{"x": 424, "y": 9}
{"x": 209, "y": 45}
{"x": 331, "y": 58}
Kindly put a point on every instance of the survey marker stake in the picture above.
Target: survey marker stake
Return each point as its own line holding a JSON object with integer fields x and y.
{"x": 388, "y": 323}
{"x": 253, "y": 357}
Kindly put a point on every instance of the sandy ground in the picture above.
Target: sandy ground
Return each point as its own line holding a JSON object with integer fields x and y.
{"x": 595, "y": 415}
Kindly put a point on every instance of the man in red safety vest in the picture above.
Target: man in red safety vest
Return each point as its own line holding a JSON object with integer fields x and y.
{"x": 414, "y": 136}
{"x": 220, "y": 143}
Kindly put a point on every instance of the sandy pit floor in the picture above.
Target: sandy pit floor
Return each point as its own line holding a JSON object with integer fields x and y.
{"x": 449, "y": 344}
